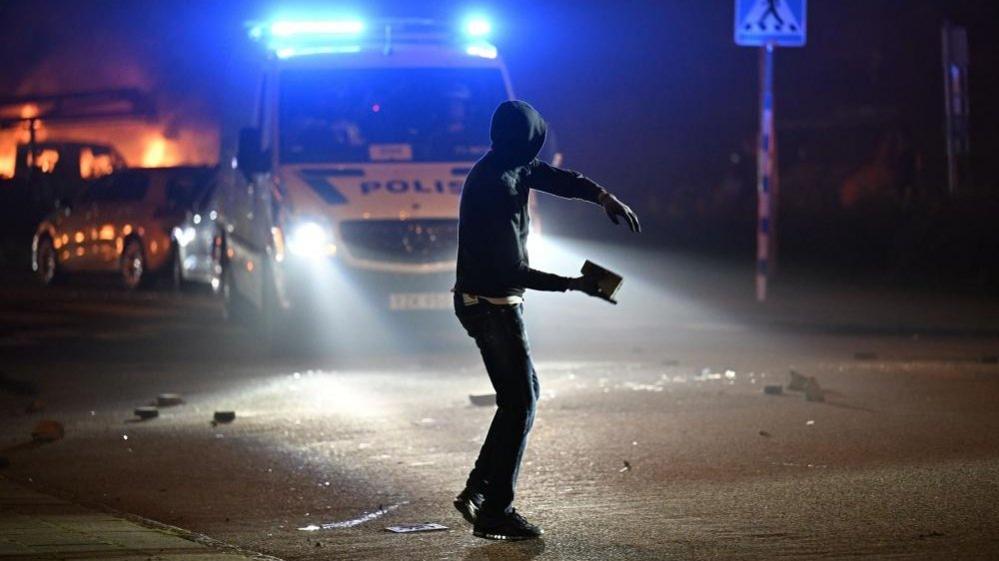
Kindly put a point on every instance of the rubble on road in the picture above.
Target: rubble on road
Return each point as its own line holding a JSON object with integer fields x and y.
{"x": 797, "y": 382}
{"x": 48, "y": 431}
{"x": 169, "y": 399}
{"x": 147, "y": 412}
{"x": 418, "y": 527}
{"x": 224, "y": 416}
{"x": 773, "y": 390}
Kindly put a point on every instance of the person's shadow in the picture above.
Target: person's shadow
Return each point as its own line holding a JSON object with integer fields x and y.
{"x": 506, "y": 551}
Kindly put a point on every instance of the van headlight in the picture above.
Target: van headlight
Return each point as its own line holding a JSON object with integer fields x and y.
{"x": 310, "y": 239}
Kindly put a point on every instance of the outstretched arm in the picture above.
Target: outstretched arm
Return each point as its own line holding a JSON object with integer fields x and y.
{"x": 574, "y": 185}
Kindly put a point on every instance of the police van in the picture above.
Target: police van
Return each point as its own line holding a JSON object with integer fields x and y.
{"x": 347, "y": 183}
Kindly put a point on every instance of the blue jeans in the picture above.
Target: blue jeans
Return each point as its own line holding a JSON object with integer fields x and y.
{"x": 498, "y": 331}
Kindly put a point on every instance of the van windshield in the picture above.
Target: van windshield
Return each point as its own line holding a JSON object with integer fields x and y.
{"x": 387, "y": 114}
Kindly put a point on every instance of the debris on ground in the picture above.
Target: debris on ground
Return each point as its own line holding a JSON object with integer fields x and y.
{"x": 367, "y": 517}
{"x": 169, "y": 399}
{"x": 797, "y": 382}
{"x": 773, "y": 389}
{"x": 147, "y": 412}
{"x": 36, "y": 406}
{"x": 48, "y": 431}
{"x": 810, "y": 422}
{"x": 865, "y": 355}
{"x": 627, "y": 467}
{"x": 671, "y": 362}
{"x": 419, "y": 527}
{"x": 765, "y": 434}
{"x": 483, "y": 399}
{"x": 813, "y": 391}
{"x": 224, "y": 416}
{"x": 990, "y": 359}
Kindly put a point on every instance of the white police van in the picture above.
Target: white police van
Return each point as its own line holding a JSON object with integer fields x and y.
{"x": 352, "y": 172}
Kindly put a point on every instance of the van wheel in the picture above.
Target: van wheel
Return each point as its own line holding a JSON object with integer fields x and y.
{"x": 133, "y": 265}
{"x": 46, "y": 264}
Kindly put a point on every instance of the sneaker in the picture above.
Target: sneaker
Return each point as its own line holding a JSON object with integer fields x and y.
{"x": 468, "y": 503}
{"x": 511, "y": 526}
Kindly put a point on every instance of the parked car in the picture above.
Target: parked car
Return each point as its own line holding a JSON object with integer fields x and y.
{"x": 194, "y": 238}
{"x": 122, "y": 223}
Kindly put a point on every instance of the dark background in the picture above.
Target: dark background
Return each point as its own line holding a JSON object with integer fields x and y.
{"x": 652, "y": 99}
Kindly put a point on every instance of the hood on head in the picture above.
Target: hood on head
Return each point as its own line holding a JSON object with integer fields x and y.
{"x": 518, "y": 132}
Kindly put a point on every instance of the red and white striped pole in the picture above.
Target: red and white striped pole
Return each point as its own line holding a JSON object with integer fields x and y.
{"x": 766, "y": 166}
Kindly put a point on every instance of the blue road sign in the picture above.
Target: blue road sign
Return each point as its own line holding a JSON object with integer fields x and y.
{"x": 780, "y": 23}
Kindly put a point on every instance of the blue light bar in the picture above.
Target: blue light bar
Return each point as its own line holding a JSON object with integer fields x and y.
{"x": 321, "y": 27}
{"x": 288, "y": 52}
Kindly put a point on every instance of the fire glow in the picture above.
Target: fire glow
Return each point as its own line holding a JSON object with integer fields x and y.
{"x": 141, "y": 143}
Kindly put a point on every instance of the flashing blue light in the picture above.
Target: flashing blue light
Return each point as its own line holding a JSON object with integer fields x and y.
{"x": 320, "y": 27}
{"x": 478, "y": 27}
{"x": 483, "y": 50}
{"x": 288, "y": 52}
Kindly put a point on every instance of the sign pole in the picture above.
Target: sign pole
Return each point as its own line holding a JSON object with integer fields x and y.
{"x": 766, "y": 166}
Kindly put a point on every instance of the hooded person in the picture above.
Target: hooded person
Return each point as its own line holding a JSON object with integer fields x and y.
{"x": 493, "y": 272}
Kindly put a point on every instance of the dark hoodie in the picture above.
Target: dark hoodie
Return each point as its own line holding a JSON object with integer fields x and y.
{"x": 494, "y": 221}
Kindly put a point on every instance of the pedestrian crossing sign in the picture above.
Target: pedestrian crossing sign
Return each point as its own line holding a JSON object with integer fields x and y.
{"x": 780, "y": 23}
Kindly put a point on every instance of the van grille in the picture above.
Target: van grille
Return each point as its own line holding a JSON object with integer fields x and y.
{"x": 402, "y": 241}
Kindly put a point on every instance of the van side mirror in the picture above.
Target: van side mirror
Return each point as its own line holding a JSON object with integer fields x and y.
{"x": 250, "y": 156}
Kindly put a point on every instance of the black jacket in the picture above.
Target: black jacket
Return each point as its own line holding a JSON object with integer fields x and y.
{"x": 493, "y": 220}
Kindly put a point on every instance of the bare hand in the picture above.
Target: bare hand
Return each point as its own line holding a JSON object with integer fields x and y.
{"x": 615, "y": 208}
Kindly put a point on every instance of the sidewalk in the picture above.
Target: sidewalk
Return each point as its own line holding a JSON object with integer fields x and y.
{"x": 36, "y": 526}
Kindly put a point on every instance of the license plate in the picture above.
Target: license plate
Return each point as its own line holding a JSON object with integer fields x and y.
{"x": 420, "y": 300}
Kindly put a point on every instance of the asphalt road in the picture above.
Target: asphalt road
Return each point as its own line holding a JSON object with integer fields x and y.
{"x": 654, "y": 439}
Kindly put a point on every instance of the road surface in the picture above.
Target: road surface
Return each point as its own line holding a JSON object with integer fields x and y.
{"x": 654, "y": 439}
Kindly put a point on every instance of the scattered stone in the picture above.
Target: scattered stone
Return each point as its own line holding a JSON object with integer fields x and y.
{"x": 225, "y": 416}
{"x": 36, "y": 406}
{"x": 671, "y": 362}
{"x": 483, "y": 400}
{"x": 48, "y": 431}
{"x": 797, "y": 382}
{"x": 410, "y": 528}
{"x": 147, "y": 412}
{"x": 933, "y": 534}
{"x": 773, "y": 389}
{"x": 810, "y": 422}
{"x": 627, "y": 467}
{"x": 865, "y": 355}
{"x": 765, "y": 434}
{"x": 169, "y": 399}
{"x": 813, "y": 391}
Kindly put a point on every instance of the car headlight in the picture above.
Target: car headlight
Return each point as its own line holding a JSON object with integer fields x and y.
{"x": 310, "y": 239}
